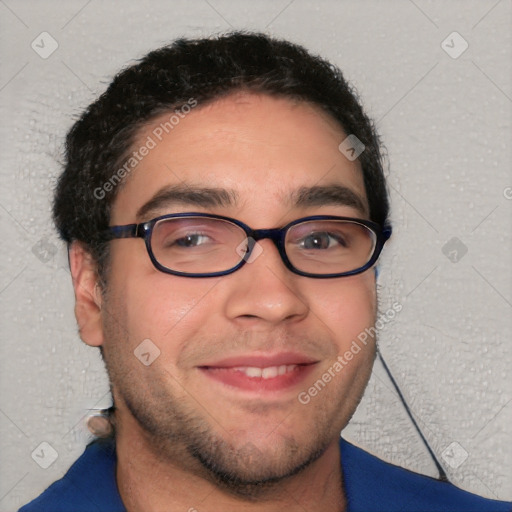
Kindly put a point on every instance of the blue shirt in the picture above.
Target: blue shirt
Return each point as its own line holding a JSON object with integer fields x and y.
{"x": 370, "y": 484}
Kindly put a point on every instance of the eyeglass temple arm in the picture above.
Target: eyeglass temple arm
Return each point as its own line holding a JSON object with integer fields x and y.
{"x": 128, "y": 231}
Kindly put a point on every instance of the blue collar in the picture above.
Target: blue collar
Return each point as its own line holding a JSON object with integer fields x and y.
{"x": 370, "y": 484}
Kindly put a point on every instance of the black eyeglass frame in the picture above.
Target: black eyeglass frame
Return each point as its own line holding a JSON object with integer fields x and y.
{"x": 277, "y": 235}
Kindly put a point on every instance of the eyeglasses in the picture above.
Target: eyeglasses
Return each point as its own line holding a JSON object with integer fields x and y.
{"x": 204, "y": 245}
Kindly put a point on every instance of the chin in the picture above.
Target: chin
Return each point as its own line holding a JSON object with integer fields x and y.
{"x": 249, "y": 472}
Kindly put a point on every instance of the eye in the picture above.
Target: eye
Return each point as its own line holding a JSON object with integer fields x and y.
{"x": 321, "y": 240}
{"x": 191, "y": 240}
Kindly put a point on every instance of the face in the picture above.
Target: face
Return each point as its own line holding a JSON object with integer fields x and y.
{"x": 200, "y": 403}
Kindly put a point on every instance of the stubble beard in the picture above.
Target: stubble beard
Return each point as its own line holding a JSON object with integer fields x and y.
{"x": 181, "y": 432}
{"x": 193, "y": 441}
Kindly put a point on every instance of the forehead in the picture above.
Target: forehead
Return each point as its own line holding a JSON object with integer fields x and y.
{"x": 262, "y": 150}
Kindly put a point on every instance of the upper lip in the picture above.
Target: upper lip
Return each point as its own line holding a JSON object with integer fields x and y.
{"x": 261, "y": 360}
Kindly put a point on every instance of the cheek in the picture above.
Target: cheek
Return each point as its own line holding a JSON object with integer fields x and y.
{"x": 148, "y": 304}
{"x": 346, "y": 305}
{"x": 348, "y": 308}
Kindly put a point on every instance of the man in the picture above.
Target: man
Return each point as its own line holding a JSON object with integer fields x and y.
{"x": 224, "y": 205}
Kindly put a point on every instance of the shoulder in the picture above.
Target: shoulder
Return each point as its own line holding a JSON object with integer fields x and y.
{"x": 88, "y": 485}
{"x": 374, "y": 485}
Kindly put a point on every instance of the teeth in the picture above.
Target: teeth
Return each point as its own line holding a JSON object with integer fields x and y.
{"x": 270, "y": 372}
{"x": 265, "y": 373}
{"x": 252, "y": 371}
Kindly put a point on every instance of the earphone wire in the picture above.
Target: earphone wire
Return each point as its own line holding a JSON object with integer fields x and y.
{"x": 442, "y": 474}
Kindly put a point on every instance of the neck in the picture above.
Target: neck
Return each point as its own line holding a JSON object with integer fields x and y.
{"x": 150, "y": 482}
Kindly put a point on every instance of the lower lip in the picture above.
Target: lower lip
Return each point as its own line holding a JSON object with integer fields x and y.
{"x": 240, "y": 380}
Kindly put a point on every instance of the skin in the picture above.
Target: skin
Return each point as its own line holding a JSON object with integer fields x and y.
{"x": 263, "y": 149}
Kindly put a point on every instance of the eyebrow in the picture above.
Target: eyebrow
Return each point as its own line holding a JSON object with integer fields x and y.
{"x": 329, "y": 195}
{"x": 188, "y": 195}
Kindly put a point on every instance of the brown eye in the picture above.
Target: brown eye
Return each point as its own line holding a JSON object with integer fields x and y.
{"x": 321, "y": 240}
{"x": 191, "y": 240}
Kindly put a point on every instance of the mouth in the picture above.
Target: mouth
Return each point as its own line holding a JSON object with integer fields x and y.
{"x": 261, "y": 373}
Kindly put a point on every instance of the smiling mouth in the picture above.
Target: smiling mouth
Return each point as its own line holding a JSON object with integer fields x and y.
{"x": 265, "y": 373}
{"x": 272, "y": 378}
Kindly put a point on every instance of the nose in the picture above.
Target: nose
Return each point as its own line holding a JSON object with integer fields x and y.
{"x": 264, "y": 291}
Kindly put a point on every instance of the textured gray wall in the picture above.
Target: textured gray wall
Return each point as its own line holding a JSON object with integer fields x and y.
{"x": 445, "y": 116}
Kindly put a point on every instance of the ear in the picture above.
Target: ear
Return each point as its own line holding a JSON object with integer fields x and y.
{"x": 87, "y": 294}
